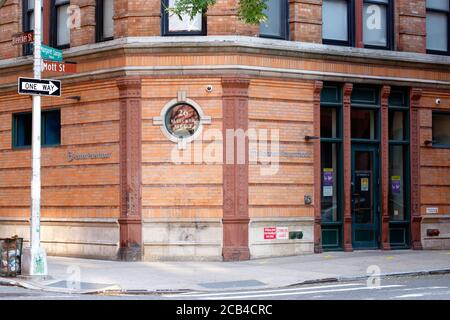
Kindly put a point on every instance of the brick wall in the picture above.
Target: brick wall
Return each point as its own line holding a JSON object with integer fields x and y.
{"x": 86, "y": 33}
{"x": 10, "y": 23}
{"x": 137, "y": 18}
{"x": 305, "y": 20}
{"x": 411, "y": 25}
{"x": 143, "y": 18}
{"x": 86, "y": 188}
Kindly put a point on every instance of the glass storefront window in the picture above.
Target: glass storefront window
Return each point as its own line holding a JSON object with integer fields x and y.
{"x": 397, "y": 182}
{"x": 328, "y": 123}
{"x": 397, "y": 125}
{"x": 363, "y": 124}
{"x": 330, "y": 165}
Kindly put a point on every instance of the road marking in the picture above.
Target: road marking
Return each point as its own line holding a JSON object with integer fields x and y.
{"x": 405, "y": 296}
{"x": 302, "y": 293}
{"x": 264, "y": 291}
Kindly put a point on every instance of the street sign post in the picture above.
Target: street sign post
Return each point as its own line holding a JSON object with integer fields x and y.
{"x": 22, "y": 38}
{"x": 60, "y": 67}
{"x": 49, "y": 53}
{"x": 40, "y": 87}
{"x": 34, "y": 262}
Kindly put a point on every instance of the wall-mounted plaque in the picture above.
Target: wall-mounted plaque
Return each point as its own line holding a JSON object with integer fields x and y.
{"x": 181, "y": 120}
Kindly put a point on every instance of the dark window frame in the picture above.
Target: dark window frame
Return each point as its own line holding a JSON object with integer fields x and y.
{"x": 439, "y": 52}
{"x": 390, "y": 14}
{"x": 14, "y": 136}
{"x": 54, "y": 25}
{"x": 27, "y": 49}
{"x": 165, "y": 24}
{"x": 351, "y": 26}
{"x": 405, "y": 144}
{"x": 336, "y": 226}
{"x": 99, "y": 22}
{"x": 439, "y": 145}
{"x": 284, "y": 24}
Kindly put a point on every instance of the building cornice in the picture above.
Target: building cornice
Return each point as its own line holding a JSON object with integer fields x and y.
{"x": 243, "y": 43}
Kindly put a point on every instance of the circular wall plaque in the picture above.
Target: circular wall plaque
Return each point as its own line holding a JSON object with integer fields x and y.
{"x": 182, "y": 120}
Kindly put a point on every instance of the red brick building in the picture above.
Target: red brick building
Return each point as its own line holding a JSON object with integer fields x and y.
{"x": 354, "y": 93}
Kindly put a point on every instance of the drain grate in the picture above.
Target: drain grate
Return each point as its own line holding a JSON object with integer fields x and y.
{"x": 232, "y": 284}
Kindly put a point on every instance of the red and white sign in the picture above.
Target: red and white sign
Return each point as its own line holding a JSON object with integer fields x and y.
{"x": 60, "y": 67}
{"x": 270, "y": 233}
{"x": 22, "y": 38}
{"x": 282, "y": 233}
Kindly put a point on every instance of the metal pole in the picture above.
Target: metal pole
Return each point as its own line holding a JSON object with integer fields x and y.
{"x": 38, "y": 258}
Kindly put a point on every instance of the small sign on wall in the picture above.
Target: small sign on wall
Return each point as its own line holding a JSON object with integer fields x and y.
{"x": 283, "y": 233}
{"x": 432, "y": 210}
{"x": 274, "y": 233}
{"x": 270, "y": 233}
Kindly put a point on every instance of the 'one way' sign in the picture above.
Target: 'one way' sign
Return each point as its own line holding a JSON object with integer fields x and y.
{"x": 40, "y": 87}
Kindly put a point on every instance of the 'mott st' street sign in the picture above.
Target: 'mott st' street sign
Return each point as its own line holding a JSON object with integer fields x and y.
{"x": 40, "y": 87}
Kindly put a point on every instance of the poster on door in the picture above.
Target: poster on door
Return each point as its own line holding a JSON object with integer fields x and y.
{"x": 396, "y": 184}
{"x": 328, "y": 182}
{"x": 364, "y": 184}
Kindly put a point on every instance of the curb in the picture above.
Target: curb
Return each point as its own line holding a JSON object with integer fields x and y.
{"x": 365, "y": 277}
{"x": 115, "y": 289}
{"x": 46, "y": 288}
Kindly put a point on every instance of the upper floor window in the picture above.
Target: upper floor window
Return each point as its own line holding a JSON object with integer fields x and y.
{"x": 60, "y": 32}
{"x": 276, "y": 25}
{"x": 441, "y": 129}
{"x": 105, "y": 22}
{"x": 173, "y": 25}
{"x": 438, "y": 27}
{"x": 28, "y": 23}
{"x": 340, "y": 24}
{"x": 51, "y": 128}
{"x": 377, "y": 23}
{"x": 336, "y": 26}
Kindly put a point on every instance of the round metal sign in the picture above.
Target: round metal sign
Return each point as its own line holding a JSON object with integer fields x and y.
{"x": 182, "y": 120}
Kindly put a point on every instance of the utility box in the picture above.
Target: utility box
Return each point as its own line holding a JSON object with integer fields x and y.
{"x": 10, "y": 256}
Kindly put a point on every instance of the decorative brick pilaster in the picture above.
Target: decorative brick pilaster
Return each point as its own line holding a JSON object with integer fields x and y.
{"x": 130, "y": 169}
{"x": 385, "y": 242}
{"x": 347, "y": 150}
{"x": 411, "y": 25}
{"x": 86, "y": 33}
{"x": 318, "y": 85}
{"x": 137, "y": 18}
{"x": 305, "y": 20}
{"x": 416, "y": 217}
{"x": 359, "y": 36}
{"x": 235, "y": 175}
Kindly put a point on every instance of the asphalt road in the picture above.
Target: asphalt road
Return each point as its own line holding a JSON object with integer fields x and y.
{"x": 436, "y": 287}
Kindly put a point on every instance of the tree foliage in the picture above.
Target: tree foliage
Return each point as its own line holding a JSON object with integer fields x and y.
{"x": 250, "y": 11}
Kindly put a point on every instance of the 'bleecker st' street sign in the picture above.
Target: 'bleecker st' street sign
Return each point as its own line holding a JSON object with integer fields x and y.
{"x": 22, "y": 38}
{"x": 49, "y": 53}
{"x": 40, "y": 87}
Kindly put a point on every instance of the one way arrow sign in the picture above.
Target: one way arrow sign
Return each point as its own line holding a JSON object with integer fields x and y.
{"x": 40, "y": 87}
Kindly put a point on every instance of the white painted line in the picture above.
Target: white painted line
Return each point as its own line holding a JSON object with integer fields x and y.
{"x": 406, "y": 296}
{"x": 264, "y": 291}
{"x": 303, "y": 293}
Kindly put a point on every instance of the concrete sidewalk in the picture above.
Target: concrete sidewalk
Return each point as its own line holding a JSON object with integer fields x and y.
{"x": 143, "y": 277}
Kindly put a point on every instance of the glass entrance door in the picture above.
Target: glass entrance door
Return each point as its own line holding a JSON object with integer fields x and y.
{"x": 365, "y": 197}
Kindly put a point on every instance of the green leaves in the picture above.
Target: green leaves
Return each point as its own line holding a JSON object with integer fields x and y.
{"x": 250, "y": 11}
